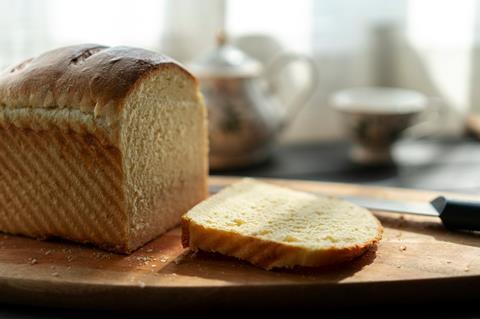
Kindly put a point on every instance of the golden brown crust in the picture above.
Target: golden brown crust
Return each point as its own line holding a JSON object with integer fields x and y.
{"x": 185, "y": 232}
{"x": 62, "y": 184}
{"x": 89, "y": 78}
{"x": 267, "y": 254}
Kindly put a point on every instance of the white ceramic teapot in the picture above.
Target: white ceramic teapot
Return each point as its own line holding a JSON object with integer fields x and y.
{"x": 244, "y": 114}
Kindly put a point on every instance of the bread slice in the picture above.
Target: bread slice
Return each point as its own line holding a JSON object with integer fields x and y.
{"x": 271, "y": 226}
{"x": 100, "y": 145}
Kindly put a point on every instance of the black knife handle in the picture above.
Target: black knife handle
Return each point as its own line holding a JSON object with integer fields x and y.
{"x": 457, "y": 214}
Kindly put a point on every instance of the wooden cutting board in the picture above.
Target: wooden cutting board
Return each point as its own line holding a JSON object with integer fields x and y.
{"x": 417, "y": 260}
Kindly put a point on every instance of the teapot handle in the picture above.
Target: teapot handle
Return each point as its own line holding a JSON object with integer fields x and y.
{"x": 299, "y": 101}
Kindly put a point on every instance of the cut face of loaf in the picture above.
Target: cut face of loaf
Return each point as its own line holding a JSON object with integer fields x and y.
{"x": 271, "y": 226}
{"x": 100, "y": 145}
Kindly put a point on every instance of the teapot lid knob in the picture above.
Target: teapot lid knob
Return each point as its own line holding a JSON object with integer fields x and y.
{"x": 225, "y": 60}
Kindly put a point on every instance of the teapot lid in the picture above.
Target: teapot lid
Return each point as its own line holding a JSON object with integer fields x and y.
{"x": 225, "y": 61}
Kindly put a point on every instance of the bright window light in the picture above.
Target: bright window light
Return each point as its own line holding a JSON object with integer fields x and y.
{"x": 289, "y": 20}
{"x": 442, "y": 34}
{"x": 446, "y": 23}
{"x": 111, "y": 22}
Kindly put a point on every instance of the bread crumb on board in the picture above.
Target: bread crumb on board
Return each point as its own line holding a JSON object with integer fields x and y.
{"x": 403, "y": 248}
{"x": 32, "y": 261}
{"x": 144, "y": 259}
{"x": 101, "y": 255}
{"x": 164, "y": 259}
{"x": 178, "y": 260}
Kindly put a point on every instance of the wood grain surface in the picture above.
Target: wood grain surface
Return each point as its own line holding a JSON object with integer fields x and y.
{"x": 416, "y": 259}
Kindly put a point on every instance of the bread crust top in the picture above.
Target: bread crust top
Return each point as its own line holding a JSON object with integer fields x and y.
{"x": 80, "y": 88}
{"x": 89, "y": 77}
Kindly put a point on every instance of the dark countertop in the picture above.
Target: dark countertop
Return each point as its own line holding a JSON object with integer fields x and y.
{"x": 441, "y": 165}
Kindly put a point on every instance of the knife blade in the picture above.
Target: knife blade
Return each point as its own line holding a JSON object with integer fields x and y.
{"x": 396, "y": 206}
{"x": 455, "y": 214}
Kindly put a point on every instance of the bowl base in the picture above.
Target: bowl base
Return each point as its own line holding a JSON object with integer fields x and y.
{"x": 369, "y": 156}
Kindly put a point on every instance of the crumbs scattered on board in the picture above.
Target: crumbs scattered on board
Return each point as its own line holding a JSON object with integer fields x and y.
{"x": 146, "y": 260}
{"x": 68, "y": 255}
{"x": 101, "y": 255}
{"x": 403, "y": 248}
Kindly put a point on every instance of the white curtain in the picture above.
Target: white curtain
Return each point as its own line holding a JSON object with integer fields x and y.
{"x": 191, "y": 26}
{"x": 23, "y": 30}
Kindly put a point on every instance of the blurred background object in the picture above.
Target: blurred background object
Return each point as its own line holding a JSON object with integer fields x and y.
{"x": 375, "y": 118}
{"x": 242, "y": 97}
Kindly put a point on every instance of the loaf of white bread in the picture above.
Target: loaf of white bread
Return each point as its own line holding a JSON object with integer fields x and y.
{"x": 274, "y": 227}
{"x": 100, "y": 145}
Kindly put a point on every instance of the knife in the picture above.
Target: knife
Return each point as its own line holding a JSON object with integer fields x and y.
{"x": 455, "y": 214}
